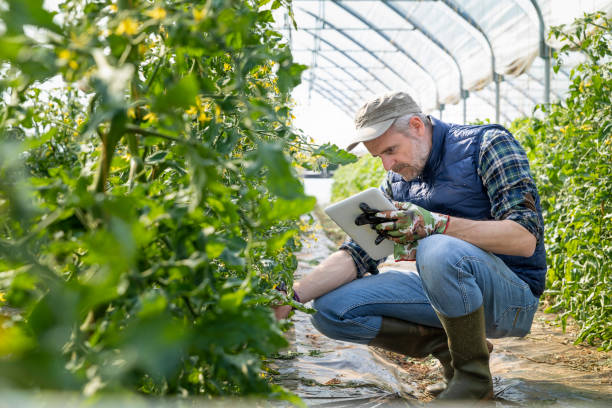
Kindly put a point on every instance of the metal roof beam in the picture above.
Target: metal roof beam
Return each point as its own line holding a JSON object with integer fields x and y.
{"x": 347, "y": 72}
{"x": 545, "y": 52}
{"x": 386, "y": 37}
{"x": 468, "y": 19}
{"x": 433, "y": 39}
{"x": 347, "y": 50}
{"x": 366, "y": 49}
{"x": 520, "y": 90}
{"x": 357, "y": 94}
{"x": 350, "y": 58}
{"x": 492, "y": 104}
{"x": 334, "y": 99}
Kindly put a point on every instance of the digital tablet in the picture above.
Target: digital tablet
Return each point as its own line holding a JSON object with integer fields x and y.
{"x": 344, "y": 213}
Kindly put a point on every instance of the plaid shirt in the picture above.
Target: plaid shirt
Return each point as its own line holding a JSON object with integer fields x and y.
{"x": 504, "y": 170}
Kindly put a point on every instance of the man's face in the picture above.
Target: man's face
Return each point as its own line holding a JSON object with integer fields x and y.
{"x": 401, "y": 153}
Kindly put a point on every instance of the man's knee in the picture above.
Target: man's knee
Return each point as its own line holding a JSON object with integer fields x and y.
{"x": 327, "y": 315}
{"x": 439, "y": 255}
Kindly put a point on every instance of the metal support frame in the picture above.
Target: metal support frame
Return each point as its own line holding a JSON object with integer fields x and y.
{"x": 366, "y": 49}
{"x": 390, "y": 41}
{"x": 467, "y": 18}
{"x": 357, "y": 63}
{"x": 355, "y": 92}
{"x": 347, "y": 72}
{"x": 545, "y": 52}
{"x": 531, "y": 76}
{"x": 332, "y": 98}
{"x": 433, "y": 39}
{"x": 521, "y": 91}
{"x": 349, "y": 102}
{"x": 491, "y": 104}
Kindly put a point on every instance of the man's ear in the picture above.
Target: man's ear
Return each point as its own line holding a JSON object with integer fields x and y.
{"x": 417, "y": 124}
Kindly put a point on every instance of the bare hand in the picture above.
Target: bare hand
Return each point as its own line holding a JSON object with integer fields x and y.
{"x": 281, "y": 312}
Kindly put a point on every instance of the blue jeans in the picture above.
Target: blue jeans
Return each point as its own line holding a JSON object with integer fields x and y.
{"x": 455, "y": 278}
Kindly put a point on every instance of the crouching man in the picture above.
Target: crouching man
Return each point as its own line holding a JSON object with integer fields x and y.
{"x": 468, "y": 212}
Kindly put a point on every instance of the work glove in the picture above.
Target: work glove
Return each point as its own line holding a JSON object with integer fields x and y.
{"x": 369, "y": 217}
{"x": 410, "y": 223}
{"x": 404, "y": 226}
{"x": 401, "y": 252}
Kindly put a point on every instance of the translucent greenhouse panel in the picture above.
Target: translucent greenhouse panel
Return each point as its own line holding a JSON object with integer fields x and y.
{"x": 557, "y": 12}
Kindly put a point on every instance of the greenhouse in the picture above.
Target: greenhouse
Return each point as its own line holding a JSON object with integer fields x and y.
{"x": 462, "y": 60}
{"x": 326, "y": 203}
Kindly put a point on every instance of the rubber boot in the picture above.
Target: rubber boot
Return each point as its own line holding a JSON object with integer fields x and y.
{"x": 470, "y": 357}
{"x": 414, "y": 340}
{"x": 445, "y": 359}
{"x": 409, "y": 339}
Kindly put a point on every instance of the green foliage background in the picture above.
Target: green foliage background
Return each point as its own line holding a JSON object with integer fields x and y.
{"x": 149, "y": 204}
{"x": 353, "y": 178}
{"x": 570, "y": 151}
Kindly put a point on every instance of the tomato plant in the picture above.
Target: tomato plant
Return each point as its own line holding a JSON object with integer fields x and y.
{"x": 570, "y": 150}
{"x": 148, "y": 198}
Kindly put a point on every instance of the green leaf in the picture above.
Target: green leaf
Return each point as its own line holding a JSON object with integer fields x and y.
{"x": 280, "y": 178}
{"x": 28, "y": 12}
{"x": 334, "y": 154}
{"x": 275, "y": 243}
{"x": 181, "y": 95}
{"x": 232, "y": 301}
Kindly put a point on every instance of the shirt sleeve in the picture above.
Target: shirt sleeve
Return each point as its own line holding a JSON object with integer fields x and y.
{"x": 363, "y": 261}
{"x": 504, "y": 170}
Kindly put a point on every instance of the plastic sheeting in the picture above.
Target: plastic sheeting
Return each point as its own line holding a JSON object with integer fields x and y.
{"x": 526, "y": 372}
{"x": 433, "y": 49}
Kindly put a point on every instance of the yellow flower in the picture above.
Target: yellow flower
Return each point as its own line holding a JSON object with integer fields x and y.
{"x": 324, "y": 165}
{"x": 127, "y": 26}
{"x": 2, "y": 298}
{"x": 113, "y": 8}
{"x": 73, "y": 64}
{"x": 226, "y": 66}
{"x": 150, "y": 117}
{"x": 158, "y": 13}
{"x": 192, "y": 110}
{"x": 303, "y": 227}
{"x": 65, "y": 55}
{"x": 79, "y": 121}
{"x": 198, "y": 15}
{"x": 218, "y": 117}
{"x": 131, "y": 113}
{"x": 203, "y": 117}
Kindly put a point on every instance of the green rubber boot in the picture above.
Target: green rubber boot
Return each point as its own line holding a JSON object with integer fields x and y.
{"x": 470, "y": 357}
{"x": 414, "y": 340}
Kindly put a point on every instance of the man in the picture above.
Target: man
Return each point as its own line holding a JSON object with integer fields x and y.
{"x": 469, "y": 213}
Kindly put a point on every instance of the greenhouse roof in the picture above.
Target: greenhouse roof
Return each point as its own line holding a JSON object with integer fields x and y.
{"x": 451, "y": 55}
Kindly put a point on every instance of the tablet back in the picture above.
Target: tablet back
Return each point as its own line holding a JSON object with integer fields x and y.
{"x": 344, "y": 213}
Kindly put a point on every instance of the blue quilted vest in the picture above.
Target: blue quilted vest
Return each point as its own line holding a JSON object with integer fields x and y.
{"x": 450, "y": 184}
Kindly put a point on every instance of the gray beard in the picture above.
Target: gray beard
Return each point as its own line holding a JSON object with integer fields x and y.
{"x": 414, "y": 170}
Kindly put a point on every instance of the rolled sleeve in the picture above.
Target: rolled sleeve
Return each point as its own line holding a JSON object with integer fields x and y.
{"x": 363, "y": 261}
{"x": 504, "y": 170}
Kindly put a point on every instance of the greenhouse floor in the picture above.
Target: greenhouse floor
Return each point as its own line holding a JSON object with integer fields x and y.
{"x": 542, "y": 369}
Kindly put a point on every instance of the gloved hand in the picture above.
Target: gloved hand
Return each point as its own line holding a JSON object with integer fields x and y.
{"x": 401, "y": 252}
{"x": 405, "y": 252}
{"x": 369, "y": 217}
{"x": 410, "y": 223}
